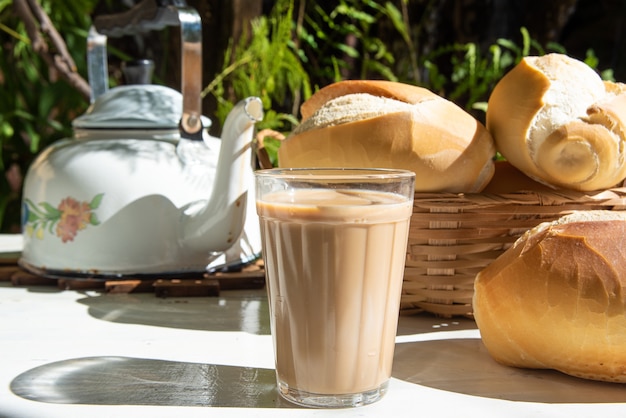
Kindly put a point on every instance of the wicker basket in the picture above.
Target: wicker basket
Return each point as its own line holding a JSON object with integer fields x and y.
{"x": 454, "y": 236}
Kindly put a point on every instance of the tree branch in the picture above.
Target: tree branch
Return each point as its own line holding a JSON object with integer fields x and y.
{"x": 37, "y": 23}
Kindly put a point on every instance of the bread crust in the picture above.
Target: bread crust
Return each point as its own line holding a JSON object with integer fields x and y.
{"x": 557, "y": 298}
{"x": 399, "y": 91}
{"x": 512, "y": 106}
{"x": 447, "y": 148}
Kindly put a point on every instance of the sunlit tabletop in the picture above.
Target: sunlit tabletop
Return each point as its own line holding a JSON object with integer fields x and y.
{"x": 66, "y": 353}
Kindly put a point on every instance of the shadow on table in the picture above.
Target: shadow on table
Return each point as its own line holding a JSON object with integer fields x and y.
{"x": 136, "y": 381}
{"x": 234, "y": 311}
{"x": 465, "y": 366}
{"x": 454, "y": 365}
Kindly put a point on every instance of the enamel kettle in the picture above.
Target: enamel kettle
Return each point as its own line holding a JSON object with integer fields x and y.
{"x": 142, "y": 188}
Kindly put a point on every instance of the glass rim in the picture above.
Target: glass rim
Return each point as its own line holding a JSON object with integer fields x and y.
{"x": 321, "y": 173}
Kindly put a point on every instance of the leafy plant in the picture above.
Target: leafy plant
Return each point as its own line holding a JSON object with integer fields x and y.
{"x": 37, "y": 106}
{"x": 592, "y": 61}
{"x": 473, "y": 73}
{"x": 342, "y": 43}
{"x": 265, "y": 64}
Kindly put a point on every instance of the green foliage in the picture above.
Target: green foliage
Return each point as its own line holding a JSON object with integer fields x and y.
{"x": 37, "y": 107}
{"x": 593, "y": 61}
{"x": 265, "y": 65}
{"x": 336, "y": 41}
{"x": 474, "y": 73}
{"x": 468, "y": 74}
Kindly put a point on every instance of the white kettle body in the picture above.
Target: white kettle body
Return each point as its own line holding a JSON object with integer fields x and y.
{"x": 133, "y": 194}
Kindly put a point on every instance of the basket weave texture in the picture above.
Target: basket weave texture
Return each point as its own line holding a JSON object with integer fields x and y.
{"x": 453, "y": 237}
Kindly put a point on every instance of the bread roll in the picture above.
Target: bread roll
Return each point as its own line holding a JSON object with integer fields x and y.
{"x": 557, "y": 298}
{"x": 554, "y": 119}
{"x": 393, "y": 125}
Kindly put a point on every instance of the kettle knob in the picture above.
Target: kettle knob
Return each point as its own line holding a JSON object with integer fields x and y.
{"x": 138, "y": 71}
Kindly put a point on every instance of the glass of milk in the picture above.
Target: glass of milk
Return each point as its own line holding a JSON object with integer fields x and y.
{"x": 334, "y": 247}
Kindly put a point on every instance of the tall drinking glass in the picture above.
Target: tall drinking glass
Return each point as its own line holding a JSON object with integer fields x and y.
{"x": 334, "y": 246}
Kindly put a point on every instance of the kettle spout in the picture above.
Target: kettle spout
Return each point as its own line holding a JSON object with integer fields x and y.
{"x": 219, "y": 223}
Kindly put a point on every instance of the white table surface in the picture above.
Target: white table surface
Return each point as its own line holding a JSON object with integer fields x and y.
{"x": 91, "y": 354}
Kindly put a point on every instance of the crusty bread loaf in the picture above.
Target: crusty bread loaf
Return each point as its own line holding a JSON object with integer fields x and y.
{"x": 554, "y": 119}
{"x": 557, "y": 298}
{"x": 367, "y": 123}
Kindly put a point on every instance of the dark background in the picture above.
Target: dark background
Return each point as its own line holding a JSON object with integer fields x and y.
{"x": 576, "y": 25}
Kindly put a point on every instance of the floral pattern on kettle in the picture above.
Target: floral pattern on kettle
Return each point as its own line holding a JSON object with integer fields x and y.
{"x": 64, "y": 221}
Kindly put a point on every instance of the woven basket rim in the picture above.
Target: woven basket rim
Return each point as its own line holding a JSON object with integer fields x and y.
{"x": 614, "y": 196}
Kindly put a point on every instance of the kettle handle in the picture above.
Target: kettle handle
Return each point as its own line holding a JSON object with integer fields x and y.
{"x": 149, "y": 15}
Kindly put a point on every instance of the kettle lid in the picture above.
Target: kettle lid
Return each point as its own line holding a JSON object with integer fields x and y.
{"x": 134, "y": 106}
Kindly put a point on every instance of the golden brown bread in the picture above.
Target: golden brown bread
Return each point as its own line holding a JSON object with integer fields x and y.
{"x": 367, "y": 123}
{"x": 557, "y": 298}
{"x": 554, "y": 119}
{"x": 380, "y": 88}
